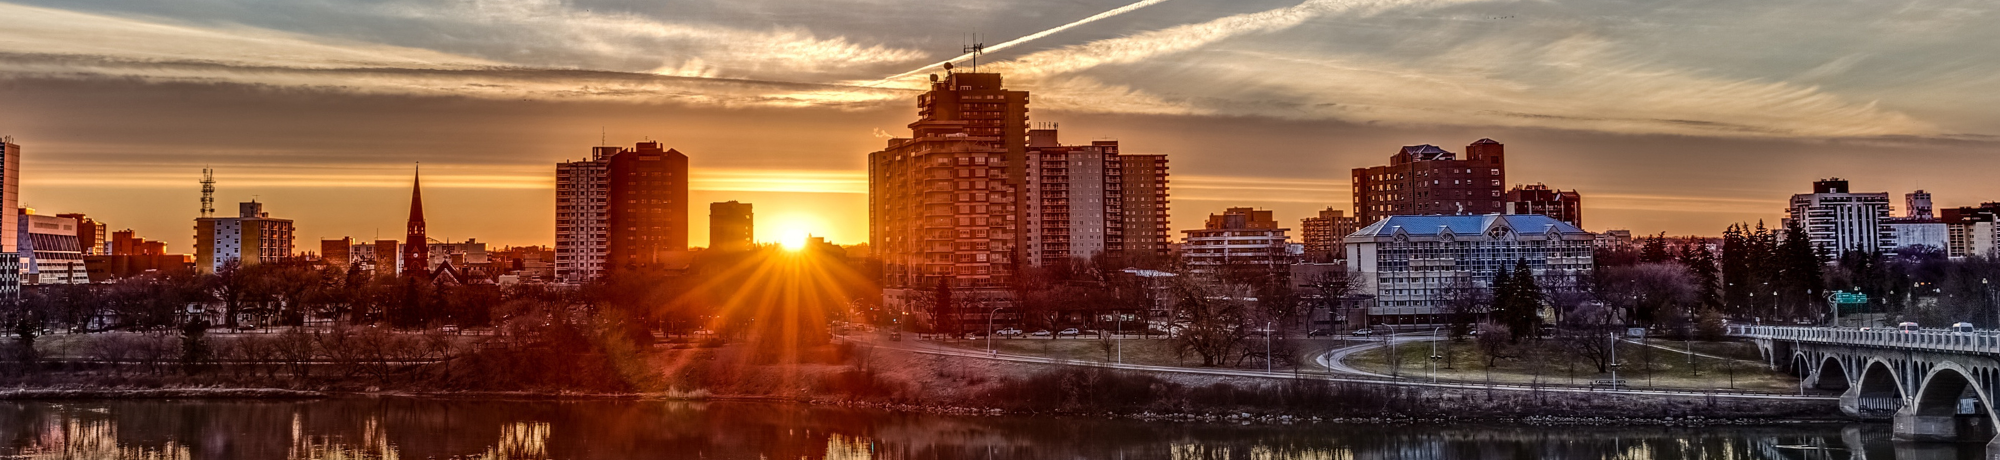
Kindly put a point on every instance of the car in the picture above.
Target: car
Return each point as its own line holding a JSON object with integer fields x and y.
{"x": 1362, "y": 333}
{"x": 1071, "y": 331}
{"x": 1008, "y": 332}
{"x": 1041, "y": 333}
{"x": 449, "y": 329}
{"x": 1318, "y": 333}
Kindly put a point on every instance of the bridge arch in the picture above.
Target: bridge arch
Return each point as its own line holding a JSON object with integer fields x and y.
{"x": 1939, "y": 408}
{"x": 1880, "y": 391}
{"x": 1832, "y": 374}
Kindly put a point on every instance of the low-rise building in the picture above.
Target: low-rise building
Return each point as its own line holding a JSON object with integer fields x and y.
{"x": 1415, "y": 266}
{"x": 50, "y": 250}
{"x": 1238, "y": 237}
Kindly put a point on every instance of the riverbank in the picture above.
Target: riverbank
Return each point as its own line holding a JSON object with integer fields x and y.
{"x": 862, "y": 374}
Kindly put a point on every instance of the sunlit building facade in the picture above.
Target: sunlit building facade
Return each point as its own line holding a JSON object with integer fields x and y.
{"x": 49, "y": 250}
{"x": 942, "y": 202}
{"x": 251, "y": 238}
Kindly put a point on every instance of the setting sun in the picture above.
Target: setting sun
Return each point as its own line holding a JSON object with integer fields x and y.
{"x": 793, "y": 239}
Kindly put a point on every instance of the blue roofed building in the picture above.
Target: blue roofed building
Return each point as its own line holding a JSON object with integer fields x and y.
{"x": 1417, "y": 267}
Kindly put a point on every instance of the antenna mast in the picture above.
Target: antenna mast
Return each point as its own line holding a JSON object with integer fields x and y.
{"x": 207, "y": 192}
{"x": 975, "y": 50}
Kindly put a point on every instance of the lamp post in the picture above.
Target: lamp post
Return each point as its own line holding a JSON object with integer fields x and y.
{"x": 1432, "y": 365}
{"x": 1267, "y": 347}
{"x": 989, "y": 330}
{"x": 1614, "y": 361}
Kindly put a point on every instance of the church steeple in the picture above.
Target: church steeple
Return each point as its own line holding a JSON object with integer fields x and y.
{"x": 416, "y": 247}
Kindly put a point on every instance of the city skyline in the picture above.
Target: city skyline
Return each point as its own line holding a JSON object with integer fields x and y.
{"x": 778, "y": 105}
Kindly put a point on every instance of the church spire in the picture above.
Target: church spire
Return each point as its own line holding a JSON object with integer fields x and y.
{"x": 416, "y": 247}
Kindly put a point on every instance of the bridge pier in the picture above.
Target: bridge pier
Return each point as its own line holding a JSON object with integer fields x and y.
{"x": 1909, "y": 426}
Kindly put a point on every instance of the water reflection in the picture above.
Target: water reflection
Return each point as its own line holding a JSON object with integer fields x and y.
{"x": 398, "y": 428}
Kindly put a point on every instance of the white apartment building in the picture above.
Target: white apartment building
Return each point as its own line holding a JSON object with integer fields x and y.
{"x": 1238, "y": 236}
{"x": 1838, "y": 220}
{"x": 1414, "y": 265}
{"x": 582, "y": 216}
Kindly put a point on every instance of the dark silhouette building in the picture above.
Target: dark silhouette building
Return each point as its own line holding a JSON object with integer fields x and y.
{"x": 648, "y": 212}
{"x": 1426, "y": 179}
{"x": 731, "y": 227}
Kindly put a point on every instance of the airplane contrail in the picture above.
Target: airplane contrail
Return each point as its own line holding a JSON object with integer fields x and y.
{"x": 1033, "y": 36}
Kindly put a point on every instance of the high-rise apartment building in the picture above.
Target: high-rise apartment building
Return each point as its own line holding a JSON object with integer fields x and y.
{"x": 1144, "y": 193}
{"x": 942, "y": 202}
{"x": 1426, "y": 179}
{"x": 1323, "y": 234}
{"x": 1239, "y": 237}
{"x": 1566, "y": 206}
{"x": 582, "y": 202}
{"x": 1079, "y": 202}
{"x": 620, "y": 209}
{"x": 732, "y": 226}
{"x": 251, "y": 238}
{"x": 49, "y": 250}
{"x": 1838, "y": 220}
{"x": 648, "y": 217}
{"x": 10, "y": 222}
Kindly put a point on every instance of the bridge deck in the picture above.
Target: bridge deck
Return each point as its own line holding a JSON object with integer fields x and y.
{"x": 1982, "y": 341}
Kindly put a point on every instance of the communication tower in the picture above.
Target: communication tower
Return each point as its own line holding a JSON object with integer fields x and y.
{"x": 207, "y": 192}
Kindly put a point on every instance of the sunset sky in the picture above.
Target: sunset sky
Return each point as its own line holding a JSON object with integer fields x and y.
{"x": 1676, "y": 116}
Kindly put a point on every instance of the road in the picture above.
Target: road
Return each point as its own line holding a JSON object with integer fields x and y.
{"x": 1356, "y": 378}
{"x": 1335, "y": 360}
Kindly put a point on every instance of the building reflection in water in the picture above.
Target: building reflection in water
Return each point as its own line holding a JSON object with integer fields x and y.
{"x": 399, "y": 428}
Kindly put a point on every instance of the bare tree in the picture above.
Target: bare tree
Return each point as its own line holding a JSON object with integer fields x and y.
{"x": 1586, "y": 335}
{"x": 1214, "y": 319}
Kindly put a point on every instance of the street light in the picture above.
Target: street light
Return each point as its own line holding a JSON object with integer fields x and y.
{"x": 1267, "y": 347}
{"x": 989, "y": 330}
{"x": 1432, "y": 365}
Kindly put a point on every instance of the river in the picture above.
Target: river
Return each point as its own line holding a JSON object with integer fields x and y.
{"x": 405, "y": 428}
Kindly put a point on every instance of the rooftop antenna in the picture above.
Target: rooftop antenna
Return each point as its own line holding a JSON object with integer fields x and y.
{"x": 976, "y": 49}
{"x": 207, "y": 192}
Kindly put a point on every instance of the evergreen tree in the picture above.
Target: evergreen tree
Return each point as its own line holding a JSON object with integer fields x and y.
{"x": 1526, "y": 301}
{"x": 1708, "y": 277}
{"x": 1736, "y": 271}
{"x": 1800, "y": 270}
{"x": 944, "y": 312}
{"x": 1655, "y": 250}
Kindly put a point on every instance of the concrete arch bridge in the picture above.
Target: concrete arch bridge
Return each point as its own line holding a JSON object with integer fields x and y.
{"x": 1935, "y": 385}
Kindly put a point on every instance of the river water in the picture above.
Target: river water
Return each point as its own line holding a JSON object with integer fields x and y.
{"x": 402, "y": 428}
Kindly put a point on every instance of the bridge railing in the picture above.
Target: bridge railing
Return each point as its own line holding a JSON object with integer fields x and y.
{"x": 1982, "y": 341}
